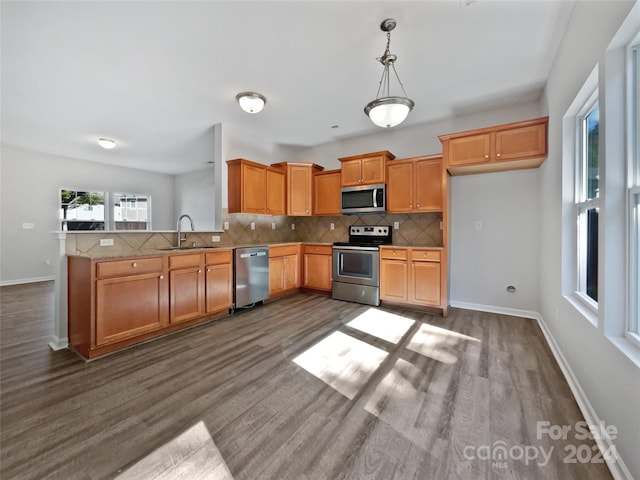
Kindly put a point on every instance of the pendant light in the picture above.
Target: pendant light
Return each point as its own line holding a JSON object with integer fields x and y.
{"x": 386, "y": 110}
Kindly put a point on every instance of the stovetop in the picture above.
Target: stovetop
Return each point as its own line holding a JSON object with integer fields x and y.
{"x": 367, "y": 236}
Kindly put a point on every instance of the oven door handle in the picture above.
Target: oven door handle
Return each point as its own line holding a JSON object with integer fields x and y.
{"x": 368, "y": 249}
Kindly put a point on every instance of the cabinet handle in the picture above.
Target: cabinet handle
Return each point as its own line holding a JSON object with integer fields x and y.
{"x": 208, "y": 270}
{"x": 418, "y": 205}
{"x": 306, "y": 211}
{"x": 486, "y": 156}
{"x": 199, "y": 271}
{"x": 134, "y": 264}
{"x": 413, "y": 264}
{"x": 498, "y": 155}
{"x": 411, "y": 205}
{"x": 161, "y": 277}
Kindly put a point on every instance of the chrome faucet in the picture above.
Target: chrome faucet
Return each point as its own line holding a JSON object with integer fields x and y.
{"x": 193, "y": 229}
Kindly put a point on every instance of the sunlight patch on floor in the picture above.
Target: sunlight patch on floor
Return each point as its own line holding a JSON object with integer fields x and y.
{"x": 385, "y": 325}
{"x": 193, "y": 454}
{"x": 438, "y": 343}
{"x": 342, "y": 362}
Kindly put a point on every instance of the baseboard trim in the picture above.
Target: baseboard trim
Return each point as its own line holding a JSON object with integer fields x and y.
{"x": 617, "y": 467}
{"x": 22, "y": 281}
{"x": 58, "y": 343}
{"x": 516, "y": 312}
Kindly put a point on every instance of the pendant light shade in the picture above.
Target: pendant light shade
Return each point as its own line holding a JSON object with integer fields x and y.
{"x": 386, "y": 110}
{"x": 251, "y": 102}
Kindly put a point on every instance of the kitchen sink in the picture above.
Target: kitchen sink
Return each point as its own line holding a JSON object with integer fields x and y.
{"x": 182, "y": 249}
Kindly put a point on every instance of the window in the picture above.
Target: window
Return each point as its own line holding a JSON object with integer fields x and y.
{"x": 81, "y": 210}
{"x": 131, "y": 211}
{"x": 587, "y": 195}
{"x": 633, "y": 191}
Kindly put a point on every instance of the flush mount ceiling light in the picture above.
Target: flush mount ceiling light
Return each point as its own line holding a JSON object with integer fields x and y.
{"x": 251, "y": 102}
{"x": 107, "y": 143}
{"x": 386, "y": 110}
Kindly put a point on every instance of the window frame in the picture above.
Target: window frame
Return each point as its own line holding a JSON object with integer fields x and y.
{"x": 582, "y": 205}
{"x": 632, "y": 325}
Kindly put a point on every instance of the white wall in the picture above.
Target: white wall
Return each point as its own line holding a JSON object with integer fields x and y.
{"x": 30, "y": 185}
{"x": 195, "y": 196}
{"x": 504, "y": 251}
{"x": 610, "y": 380}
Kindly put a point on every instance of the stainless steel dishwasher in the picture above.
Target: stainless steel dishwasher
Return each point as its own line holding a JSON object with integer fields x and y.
{"x": 250, "y": 275}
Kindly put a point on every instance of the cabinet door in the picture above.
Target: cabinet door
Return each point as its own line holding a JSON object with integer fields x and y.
{"x": 276, "y": 275}
{"x": 326, "y": 194}
{"x": 254, "y": 189}
{"x": 372, "y": 170}
{"x": 400, "y": 187}
{"x": 351, "y": 173}
{"x": 130, "y": 306}
{"x": 470, "y": 149}
{"x": 428, "y": 185}
{"x": 291, "y": 272}
{"x": 317, "y": 271}
{"x": 425, "y": 283}
{"x": 299, "y": 190}
{"x": 523, "y": 142}
{"x": 276, "y": 192}
{"x": 218, "y": 287}
{"x": 186, "y": 294}
{"x": 393, "y": 280}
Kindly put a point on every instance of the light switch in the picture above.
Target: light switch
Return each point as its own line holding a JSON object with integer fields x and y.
{"x": 106, "y": 242}
{"x": 215, "y": 238}
{"x": 28, "y": 226}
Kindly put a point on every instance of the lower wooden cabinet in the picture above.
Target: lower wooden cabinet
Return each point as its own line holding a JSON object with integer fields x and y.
{"x": 284, "y": 269}
{"x": 116, "y": 303}
{"x": 412, "y": 276}
{"x": 218, "y": 281}
{"x": 317, "y": 267}
{"x": 186, "y": 287}
{"x": 141, "y": 306}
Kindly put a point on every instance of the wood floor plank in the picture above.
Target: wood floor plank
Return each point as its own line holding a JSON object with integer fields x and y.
{"x": 229, "y": 397}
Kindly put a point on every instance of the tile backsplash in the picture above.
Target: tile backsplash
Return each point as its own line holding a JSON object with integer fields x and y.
{"x": 421, "y": 229}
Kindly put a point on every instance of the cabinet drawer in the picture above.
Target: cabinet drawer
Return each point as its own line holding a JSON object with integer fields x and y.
{"x": 391, "y": 253}
{"x": 319, "y": 249}
{"x": 216, "y": 258}
{"x": 283, "y": 250}
{"x": 189, "y": 260}
{"x": 425, "y": 255}
{"x": 129, "y": 267}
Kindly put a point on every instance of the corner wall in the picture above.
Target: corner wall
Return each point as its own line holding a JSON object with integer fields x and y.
{"x": 609, "y": 379}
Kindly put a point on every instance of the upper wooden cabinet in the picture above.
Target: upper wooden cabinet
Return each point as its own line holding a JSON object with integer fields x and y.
{"x": 415, "y": 185}
{"x": 366, "y": 169}
{"x": 326, "y": 193}
{"x": 299, "y": 187}
{"x": 511, "y": 146}
{"x": 276, "y": 200}
{"x": 247, "y": 185}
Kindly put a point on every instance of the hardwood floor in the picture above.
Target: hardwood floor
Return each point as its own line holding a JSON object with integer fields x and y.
{"x": 302, "y": 388}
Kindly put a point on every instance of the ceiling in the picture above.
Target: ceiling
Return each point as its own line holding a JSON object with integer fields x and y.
{"x": 156, "y": 76}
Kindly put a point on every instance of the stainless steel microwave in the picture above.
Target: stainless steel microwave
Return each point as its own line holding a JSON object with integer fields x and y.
{"x": 364, "y": 199}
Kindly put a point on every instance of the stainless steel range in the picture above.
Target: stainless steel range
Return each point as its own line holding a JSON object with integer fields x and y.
{"x": 356, "y": 264}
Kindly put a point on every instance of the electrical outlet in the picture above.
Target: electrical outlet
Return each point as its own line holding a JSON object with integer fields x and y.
{"x": 396, "y": 225}
{"x": 28, "y": 226}
{"x": 273, "y": 225}
{"x": 293, "y": 226}
{"x": 253, "y": 225}
{"x": 332, "y": 226}
{"x": 215, "y": 238}
{"x": 106, "y": 242}
{"x": 478, "y": 225}
{"x": 441, "y": 225}
{"x": 225, "y": 225}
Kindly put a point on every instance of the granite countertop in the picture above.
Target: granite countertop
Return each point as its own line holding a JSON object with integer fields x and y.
{"x": 175, "y": 251}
